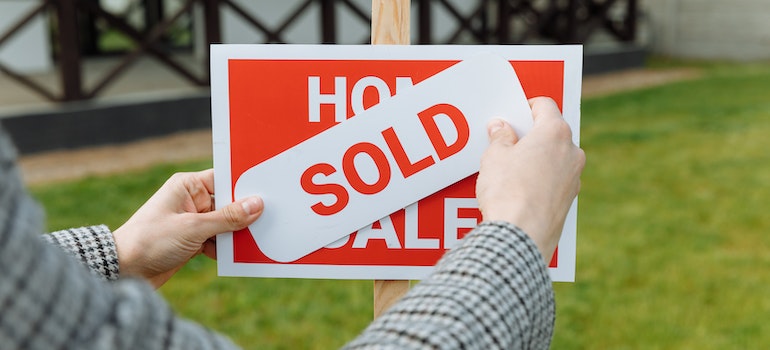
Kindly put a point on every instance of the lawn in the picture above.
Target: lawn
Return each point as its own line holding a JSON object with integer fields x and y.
{"x": 672, "y": 252}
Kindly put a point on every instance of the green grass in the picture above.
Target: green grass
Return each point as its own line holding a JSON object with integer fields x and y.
{"x": 672, "y": 232}
{"x": 672, "y": 245}
{"x": 115, "y": 41}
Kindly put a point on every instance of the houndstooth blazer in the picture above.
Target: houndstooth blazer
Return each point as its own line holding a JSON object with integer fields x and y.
{"x": 491, "y": 292}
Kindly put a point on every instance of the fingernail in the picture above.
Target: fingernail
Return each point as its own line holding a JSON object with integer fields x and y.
{"x": 494, "y": 125}
{"x": 251, "y": 205}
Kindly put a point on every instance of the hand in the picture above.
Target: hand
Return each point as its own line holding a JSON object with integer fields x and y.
{"x": 531, "y": 182}
{"x": 177, "y": 223}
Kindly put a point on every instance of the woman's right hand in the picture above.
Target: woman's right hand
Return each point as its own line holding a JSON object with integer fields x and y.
{"x": 531, "y": 182}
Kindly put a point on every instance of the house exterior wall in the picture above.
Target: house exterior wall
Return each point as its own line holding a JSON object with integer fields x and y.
{"x": 29, "y": 50}
{"x": 708, "y": 29}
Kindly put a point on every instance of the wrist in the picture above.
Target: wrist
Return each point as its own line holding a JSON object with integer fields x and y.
{"x": 525, "y": 219}
{"x": 127, "y": 253}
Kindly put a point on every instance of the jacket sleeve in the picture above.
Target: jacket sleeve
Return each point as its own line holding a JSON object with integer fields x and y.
{"x": 50, "y": 301}
{"x": 94, "y": 246}
{"x": 493, "y": 291}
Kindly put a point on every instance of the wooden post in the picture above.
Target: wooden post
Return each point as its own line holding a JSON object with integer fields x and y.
{"x": 390, "y": 25}
{"x": 390, "y": 22}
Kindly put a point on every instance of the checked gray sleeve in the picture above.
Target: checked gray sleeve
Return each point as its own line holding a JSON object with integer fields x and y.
{"x": 94, "y": 246}
{"x": 493, "y": 291}
{"x": 51, "y": 301}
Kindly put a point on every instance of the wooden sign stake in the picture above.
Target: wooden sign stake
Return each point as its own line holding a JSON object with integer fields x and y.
{"x": 390, "y": 26}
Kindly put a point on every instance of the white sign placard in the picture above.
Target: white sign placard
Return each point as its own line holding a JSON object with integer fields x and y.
{"x": 366, "y": 156}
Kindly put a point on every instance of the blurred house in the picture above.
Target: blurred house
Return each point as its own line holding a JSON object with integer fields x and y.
{"x": 709, "y": 29}
{"x": 29, "y": 50}
{"x": 156, "y": 51}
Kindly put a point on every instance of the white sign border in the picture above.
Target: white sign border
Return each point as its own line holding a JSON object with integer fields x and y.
{"x": 572, "y": 55}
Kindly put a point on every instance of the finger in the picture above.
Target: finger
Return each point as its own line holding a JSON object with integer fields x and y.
{"x": 199, "y": 186}
{"x": 210, "y": 248}
{"x": 500, "y": 132}
{"x": 206, "y": 177}
{"x": 233, "y": 217}
{"x": 544, "y": 107}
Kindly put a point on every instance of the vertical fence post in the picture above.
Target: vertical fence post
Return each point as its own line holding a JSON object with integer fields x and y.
{"x": 631, "y": 21}
{"x": 69, "y": 50}
{"x": 328, "y": 22}
{"x": 572, "y": 34}
{"x": 425, "y": 32}
{"x": 484, "y": 15}
{"x": 390, "y": 25}
{"x": 213, "y": 30}
{"x": 503, "y": 26}
{"x": 211, "y": 12}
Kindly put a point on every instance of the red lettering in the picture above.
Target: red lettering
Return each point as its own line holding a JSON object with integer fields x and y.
{"x": 381, "y": 162}
{"x": 349, "y": 168}
{"x": 402, "y": 159}
{"x": 428, "y": 120}
{"x": 334, "y": 189}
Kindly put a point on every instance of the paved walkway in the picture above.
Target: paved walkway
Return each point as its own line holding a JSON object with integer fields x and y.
{"x": 73, "y": 164}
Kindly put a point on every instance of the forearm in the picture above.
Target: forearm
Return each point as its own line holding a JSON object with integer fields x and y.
{"x": 492, "y": 291}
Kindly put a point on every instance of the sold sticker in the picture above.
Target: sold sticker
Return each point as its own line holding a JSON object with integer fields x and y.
{"x": 365, "y": 156}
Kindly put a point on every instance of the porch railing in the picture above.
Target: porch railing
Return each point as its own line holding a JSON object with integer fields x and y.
{"x": 490, "y": 21}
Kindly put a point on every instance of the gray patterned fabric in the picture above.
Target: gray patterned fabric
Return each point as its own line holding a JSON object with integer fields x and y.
{"x": 491, "y": 292}
{"x": 93, "y": 245}
{"x": 51, "y": 301}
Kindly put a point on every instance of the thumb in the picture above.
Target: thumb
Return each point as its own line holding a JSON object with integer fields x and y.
{"x": 233, "y": 217}
{"x": 501, "y": 132}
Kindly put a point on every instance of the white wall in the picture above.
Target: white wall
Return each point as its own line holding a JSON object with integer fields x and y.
{"x": 28, "y": 51}
{"x": 710, "y": 29}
